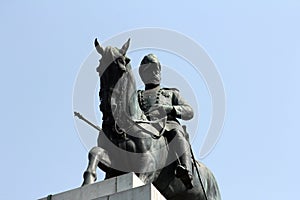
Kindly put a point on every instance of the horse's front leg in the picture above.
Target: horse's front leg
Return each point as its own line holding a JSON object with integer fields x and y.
{"x": 90, "y": 176}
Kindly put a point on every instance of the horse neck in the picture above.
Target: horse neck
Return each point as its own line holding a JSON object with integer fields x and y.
{"x": 129, "y": 107}
{"x": 119, "y": 89}
{"x": 133, "y": 108}
{"x": 108, "y": 81}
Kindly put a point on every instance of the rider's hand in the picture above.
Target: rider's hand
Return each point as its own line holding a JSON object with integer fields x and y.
{"x": 167, "y": 108}
{"x": 161, "y": 109}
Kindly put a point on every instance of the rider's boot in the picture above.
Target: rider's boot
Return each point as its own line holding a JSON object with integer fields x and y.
{"x": 184, "y": 170}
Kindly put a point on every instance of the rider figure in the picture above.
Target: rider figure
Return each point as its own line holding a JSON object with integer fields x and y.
{"x": 157, "y": 102}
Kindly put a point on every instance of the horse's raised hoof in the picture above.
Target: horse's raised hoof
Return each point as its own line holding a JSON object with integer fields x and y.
{"x": 185, "y": 176}
{"x": 88, "y": 178}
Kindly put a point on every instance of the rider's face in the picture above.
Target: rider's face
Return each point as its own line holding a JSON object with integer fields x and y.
{"x": 150, "y": 73}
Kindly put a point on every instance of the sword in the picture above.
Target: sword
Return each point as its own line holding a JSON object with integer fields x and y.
{"x": 77, "y": 114}
{"x": 195, "y": 164}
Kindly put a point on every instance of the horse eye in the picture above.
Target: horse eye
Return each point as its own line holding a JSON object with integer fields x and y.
{"x": 121, "y": 60}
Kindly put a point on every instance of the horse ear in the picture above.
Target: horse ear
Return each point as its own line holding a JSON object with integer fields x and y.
{"x": 125, "y": 47}
{"x": 99, "y": 49}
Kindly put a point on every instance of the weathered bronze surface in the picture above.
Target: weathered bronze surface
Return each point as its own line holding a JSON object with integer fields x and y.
{"x": 144, "y": 124}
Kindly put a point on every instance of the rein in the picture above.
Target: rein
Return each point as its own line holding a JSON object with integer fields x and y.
{"x": 138, "y": 122}
{"x": 132, "y": 122}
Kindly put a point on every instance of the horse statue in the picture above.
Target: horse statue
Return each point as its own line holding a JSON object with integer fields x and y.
{"x": 128, "y": 142}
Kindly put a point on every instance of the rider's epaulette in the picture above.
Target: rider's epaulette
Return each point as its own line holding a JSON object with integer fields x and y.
{"x": 139, "y": 92}
{"x": 167, "y": 92}
{"x": 171, "y": 89}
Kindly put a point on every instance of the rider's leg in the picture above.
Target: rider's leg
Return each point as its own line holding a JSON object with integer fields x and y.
{"x": 184, "y": 170}
{"x": 186, "y": 156}
{"x": 178, "y": 143}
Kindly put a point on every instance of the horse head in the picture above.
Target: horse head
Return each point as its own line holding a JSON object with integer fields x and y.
{"x": 117, "y": 84}
{"x": 112, "y": 57}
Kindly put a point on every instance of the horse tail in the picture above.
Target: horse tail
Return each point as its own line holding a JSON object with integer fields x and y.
{"x": 209, "y": 182}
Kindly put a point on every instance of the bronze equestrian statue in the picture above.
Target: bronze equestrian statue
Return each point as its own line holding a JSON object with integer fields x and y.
{"x": 142, "y": 135}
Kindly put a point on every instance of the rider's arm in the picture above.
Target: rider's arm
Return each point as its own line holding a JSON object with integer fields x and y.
{"x": 182, "y": 109}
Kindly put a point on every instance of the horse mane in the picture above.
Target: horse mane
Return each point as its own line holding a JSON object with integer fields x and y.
{"x": 110, "y": 76}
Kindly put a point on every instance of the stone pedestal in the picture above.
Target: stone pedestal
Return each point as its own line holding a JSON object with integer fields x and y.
{"x": 125, "y": 187}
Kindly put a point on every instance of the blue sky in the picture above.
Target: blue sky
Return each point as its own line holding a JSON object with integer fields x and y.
{"x": 254, "y": 44}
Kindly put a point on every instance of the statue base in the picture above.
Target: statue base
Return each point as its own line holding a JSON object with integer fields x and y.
{"x": 125, "y": 187}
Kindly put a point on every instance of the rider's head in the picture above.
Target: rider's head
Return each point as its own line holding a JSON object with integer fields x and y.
{"x": 150, "y": 70}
